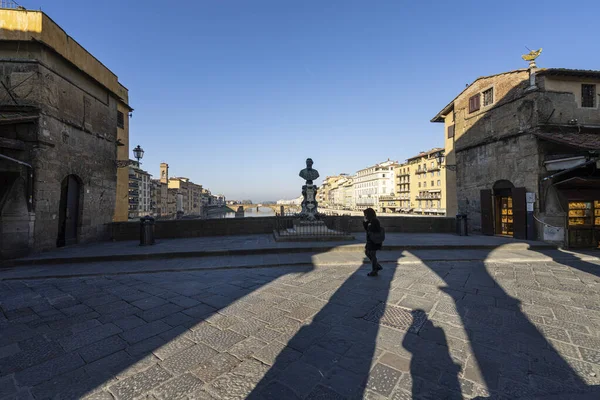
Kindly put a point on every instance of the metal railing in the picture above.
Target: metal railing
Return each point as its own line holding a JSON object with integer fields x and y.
{"x": 10, "y": 4}
{"x": 329, "y": 225}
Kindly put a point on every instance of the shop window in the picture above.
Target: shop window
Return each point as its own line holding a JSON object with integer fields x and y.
{"x": 580, "y": 213}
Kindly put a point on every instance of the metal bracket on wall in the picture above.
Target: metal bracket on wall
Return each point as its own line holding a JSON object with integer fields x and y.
{"x": 123, "y": 163}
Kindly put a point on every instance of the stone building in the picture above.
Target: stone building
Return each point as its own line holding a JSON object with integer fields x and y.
{"x": 140, "y": 199}
{"x": 373, "y": 182}
{"x": 524, "y": 147}
{"x": 420, "y": 186}
{"x": 63, "y": 126}
{"x": 190, "y": 193}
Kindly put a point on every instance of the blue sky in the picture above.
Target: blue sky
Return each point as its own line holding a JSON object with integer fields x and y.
{"x": 237, "y": 94}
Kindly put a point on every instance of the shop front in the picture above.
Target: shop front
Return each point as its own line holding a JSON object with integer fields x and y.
{"x": 581, "y": 196}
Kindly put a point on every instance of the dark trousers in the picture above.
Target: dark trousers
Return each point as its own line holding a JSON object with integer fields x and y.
{"x": 372, "y": 256}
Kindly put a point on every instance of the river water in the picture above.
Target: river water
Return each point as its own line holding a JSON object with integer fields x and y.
{"x": 250, "y": 212}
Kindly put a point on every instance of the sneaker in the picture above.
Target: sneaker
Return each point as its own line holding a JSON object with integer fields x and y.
{"x": 372, "y": 273}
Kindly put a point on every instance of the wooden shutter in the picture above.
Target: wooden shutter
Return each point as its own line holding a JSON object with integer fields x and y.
{"x": 519, "y": 213}
{"x": 474, "y": 103}
{"x": 487, "y": 217}
{"x": 450, "y": 131}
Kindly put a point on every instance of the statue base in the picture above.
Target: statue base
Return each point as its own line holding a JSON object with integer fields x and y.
{"x": 310, "y": 231}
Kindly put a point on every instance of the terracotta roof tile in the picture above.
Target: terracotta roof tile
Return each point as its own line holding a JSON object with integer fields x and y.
{"x": 579, "y": 140}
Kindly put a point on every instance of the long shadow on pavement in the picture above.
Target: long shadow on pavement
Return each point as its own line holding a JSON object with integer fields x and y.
{"x": 517, "y": 349}
{"x": 70, "y": 338}
{"x": 331, "y": 357}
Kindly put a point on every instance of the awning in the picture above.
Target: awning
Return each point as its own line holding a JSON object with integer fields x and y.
{"x": 578, "y": 140}
{"x": 578, "y": 182}
{"x": 435, "y": 191}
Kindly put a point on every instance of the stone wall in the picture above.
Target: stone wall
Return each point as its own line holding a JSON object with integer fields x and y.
{"x": 481, "y": 167}
{"x": 265, "y": 225}
{"x": 75, "y": 134}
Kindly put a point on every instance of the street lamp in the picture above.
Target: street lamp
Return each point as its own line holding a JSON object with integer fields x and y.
{"x": 138, "y": 153}
{"x": 440, "y": 161}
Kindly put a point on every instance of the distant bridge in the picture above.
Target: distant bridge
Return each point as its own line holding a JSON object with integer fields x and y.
{"x": 274, "y": 207}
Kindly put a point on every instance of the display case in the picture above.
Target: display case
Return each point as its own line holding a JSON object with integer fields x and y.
{"x": 580, "y": 214}
{"x": 506, "y": 217}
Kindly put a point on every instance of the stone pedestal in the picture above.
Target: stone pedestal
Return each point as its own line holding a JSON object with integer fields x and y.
{"x": 310, "y": 231}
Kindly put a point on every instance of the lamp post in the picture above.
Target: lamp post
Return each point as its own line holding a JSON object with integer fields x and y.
{"x": 138, "y": 153}
{"x": 440, "y": 161}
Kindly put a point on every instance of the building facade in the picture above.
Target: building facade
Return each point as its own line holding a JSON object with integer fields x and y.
{"x": 525, "y": 145}
{"x": 373, "y": 182}
{"x": 140, "y": 187}
{"x": 60, "y": 138}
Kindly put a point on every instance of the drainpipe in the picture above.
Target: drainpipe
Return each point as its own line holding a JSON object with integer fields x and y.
{"x": 29, "y": 179}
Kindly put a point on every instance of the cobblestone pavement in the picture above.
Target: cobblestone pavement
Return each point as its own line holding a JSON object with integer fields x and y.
{"x": 427, "y": 330}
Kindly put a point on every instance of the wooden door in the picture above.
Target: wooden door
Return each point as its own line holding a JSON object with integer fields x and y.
{"x": 519, "y": 213}
{"x": 487, "y": 216}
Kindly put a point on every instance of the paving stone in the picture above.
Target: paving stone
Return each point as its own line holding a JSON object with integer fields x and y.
{"x": 395, "y": 361}
{"x": 322, "y": 359}
{"x": 199, "y": 311}
{"x": 302, "y": 313}
{"x": 7, "y": 386}
{"x": 178, "y": 319}
{"x": 69, "y": 322}
{"x": 76, "y": 310}
{"x": 590, "y": 342}
{"x": 247, "y": 347}
{"x": 345, "y": 382}
{"x": 129, "y": 322}
{"x": 110, "y": 365}
{"x": 138, "y": 365}
{"x": 89, "y": 336}
{"x": 215, "y": 366}
{"x": 85, "y": 325}
{"x": 135, "y": 386}
{"x": 42, "y": 372}
{"x": 300, "y": 377}
{"x": 111, "y": 307}
{"x": 118, "y": 314}
{"x": 201, "y": 394}
{"x": 383, "y": 379}
{"x": 324, "y": 393}
{"x": 190, "y": 358}
{"x": 276, "y": 390}
{"x": 589, "y": 355}
{"x": 267, "y": 334}
{"x": 34, "y": 351}
{"x": 178, "y": 387}
{"x": 159, "y": 312}
{"x": 184, "y": 301}
{"x": 100, "y": 299}
{"x": 72, "y": 382}
{"x": 277, "y": 353}
{"x": 173, "y": 347}
{"x": 145, "y": 331}
{"x": 247, "y": 327}
{"x": 146, "y": 346}
{"x": 102, "y": 348}
{"x": 9, "y": 350}
{"x": 215, "y": 338}
{"x": 149, "y": 302}
{"x": 232, "y": 387}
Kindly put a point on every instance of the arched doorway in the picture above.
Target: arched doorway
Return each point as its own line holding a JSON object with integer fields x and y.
{"x": 68, "y": 217}
{"x": 503, "y": 207}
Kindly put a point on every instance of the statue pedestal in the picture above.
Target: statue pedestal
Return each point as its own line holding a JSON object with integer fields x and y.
{"x": 310, "y": 231}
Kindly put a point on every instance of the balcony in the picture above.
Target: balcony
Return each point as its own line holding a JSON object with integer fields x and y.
{"x": 422, "y": 171}
{"x": 428, "y": 197}
{"x": 134, "y": 178}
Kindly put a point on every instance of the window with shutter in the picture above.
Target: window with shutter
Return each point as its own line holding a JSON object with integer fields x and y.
{"x": 588, "y": 96}
{"x": 474, "y": 103}
{"x": 450, "y": 131}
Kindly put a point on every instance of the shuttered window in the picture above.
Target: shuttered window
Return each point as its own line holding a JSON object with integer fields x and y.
{"x": 120, "y": 120}
{"x": 588, "y": 96}
{"x": 474, "y": 103}
{"x": 450, "y": 131}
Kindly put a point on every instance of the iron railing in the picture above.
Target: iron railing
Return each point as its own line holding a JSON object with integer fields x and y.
{"x": 10, "y": 4}
{"x": 328, "y": 225}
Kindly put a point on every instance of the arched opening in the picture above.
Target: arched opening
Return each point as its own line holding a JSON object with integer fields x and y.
{"x": 69, "y": 213}
{"x": 503, "y": 207}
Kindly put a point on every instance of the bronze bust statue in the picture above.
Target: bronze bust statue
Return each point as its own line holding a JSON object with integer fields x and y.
{"x": 309, "y": 174}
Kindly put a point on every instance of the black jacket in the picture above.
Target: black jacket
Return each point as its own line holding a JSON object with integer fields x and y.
{"x": 372, "y": 226}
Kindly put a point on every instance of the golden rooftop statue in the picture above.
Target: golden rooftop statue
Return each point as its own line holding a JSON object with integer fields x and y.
{"x": 531, "y": 56}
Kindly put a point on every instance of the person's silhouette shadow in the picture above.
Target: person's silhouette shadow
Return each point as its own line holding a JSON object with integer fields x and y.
{"x": 432, "y": 369}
